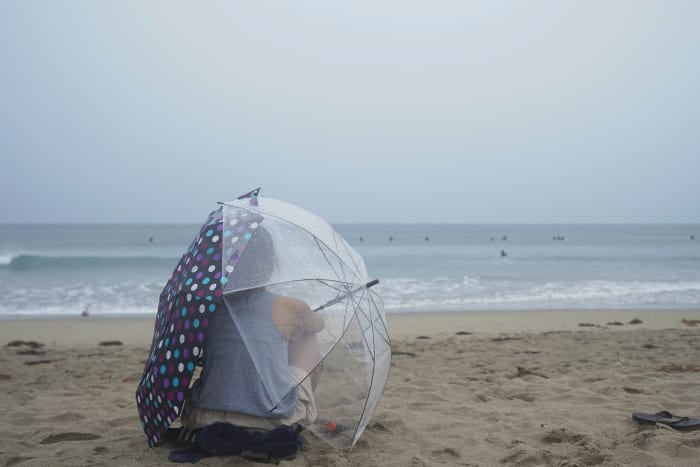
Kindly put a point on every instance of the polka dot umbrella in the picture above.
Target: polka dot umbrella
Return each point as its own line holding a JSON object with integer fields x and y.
{"x": 307, "y": 262}
{"x": 188, "y": 300}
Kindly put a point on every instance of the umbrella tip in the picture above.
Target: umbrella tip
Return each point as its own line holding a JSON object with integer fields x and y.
{"x": 251, "y": 194}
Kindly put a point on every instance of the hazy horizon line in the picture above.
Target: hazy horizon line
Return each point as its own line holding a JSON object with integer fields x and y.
{"x": 82, "y": 223}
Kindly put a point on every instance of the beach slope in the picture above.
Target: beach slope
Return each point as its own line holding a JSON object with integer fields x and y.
{"x": 516, "y": 388}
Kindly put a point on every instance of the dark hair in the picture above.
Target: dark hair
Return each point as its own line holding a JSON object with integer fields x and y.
{"x": 256, "y": 263}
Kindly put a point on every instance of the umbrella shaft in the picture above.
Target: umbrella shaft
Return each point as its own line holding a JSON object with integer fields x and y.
{"x": 337, "y": 299}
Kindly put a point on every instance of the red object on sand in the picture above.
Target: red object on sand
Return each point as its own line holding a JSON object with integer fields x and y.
{"x": 330, "y": 425}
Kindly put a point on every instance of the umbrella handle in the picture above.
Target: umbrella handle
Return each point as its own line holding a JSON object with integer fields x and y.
{"x": 341, "y": 297}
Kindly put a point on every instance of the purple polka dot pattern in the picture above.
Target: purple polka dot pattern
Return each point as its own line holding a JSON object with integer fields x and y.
{"x": 191, "y": 295}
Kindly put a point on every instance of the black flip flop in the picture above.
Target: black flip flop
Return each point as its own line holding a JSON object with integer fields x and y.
{"x": 686, "y": 423}
{"x": 667, "y": 418}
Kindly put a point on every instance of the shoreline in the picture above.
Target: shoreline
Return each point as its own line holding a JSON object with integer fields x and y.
{"x": 403, "y": 325}
{"x": 78, "y": 331}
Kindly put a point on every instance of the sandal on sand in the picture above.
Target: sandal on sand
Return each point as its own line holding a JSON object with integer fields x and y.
{"x": 667, "y": 418}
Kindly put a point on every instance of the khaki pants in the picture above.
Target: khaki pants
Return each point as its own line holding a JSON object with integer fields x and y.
{"x": 304, "y": 412}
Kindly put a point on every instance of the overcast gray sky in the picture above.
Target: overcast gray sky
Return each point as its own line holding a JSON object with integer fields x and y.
{"x": 404, "y": 111}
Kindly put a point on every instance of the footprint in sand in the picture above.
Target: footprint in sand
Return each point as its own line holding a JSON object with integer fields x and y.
{"x": 67, "y": 417}
{"x": 445, "y": 455}
{"x": 16, "y": 460}
{"x": 70, "y": 436}
{"x": 376, "y": 426}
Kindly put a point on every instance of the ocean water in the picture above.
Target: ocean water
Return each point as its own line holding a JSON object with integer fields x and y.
{"x": 116, "y": 270}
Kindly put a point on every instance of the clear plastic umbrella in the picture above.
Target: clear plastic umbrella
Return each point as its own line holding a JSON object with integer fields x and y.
{"x": 312, "y": 263}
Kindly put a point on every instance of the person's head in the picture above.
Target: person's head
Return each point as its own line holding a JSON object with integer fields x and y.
{"x": 256, "y": 263}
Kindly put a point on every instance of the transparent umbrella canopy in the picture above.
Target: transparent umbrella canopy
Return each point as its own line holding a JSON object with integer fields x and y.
{"x": 314, "y": 264}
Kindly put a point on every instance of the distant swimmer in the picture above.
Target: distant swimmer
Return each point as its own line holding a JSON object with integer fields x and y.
{"x": 503, "y": 253}
{"x": 391, "y": 239}
{"x": 505, "y": 237}
{"x": 427, "y": 239}
{"x": 150, "y": 240}
{"x": 361, "y": 239}
{"x": 493, "y": 239}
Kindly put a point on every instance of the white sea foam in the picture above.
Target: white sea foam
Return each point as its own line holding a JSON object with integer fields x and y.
{"x": 6, "y": 258}
{"x": 437, "y": 295}
{"x": 71, "y": 312}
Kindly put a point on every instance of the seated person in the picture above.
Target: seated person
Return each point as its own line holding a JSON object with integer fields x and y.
{"x": 260, "y": 368}
{"x": 233, "y": 389}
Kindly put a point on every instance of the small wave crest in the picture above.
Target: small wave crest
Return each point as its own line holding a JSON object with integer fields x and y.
{"x": 29, "y": 262}
{"x": 103, "y": 296}
{"x": 6, "y": 259}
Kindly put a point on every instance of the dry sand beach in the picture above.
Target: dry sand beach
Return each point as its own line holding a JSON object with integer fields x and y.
{"x": 496, "y": 388}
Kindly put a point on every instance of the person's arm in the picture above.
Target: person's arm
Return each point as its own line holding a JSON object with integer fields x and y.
{"x": 294, "y": 319}
{"x": 299, "y": 325}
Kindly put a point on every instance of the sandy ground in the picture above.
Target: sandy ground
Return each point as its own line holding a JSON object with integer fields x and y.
{"x": 486, "y": 388}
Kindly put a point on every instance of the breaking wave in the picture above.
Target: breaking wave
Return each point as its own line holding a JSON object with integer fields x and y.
{"x": 28, "y": 262}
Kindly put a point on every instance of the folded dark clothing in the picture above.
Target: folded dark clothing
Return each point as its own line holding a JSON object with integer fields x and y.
{"x": 189, "y": 455}
{"x": 180, "y": 436}
{"x": 225, "y": 439}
